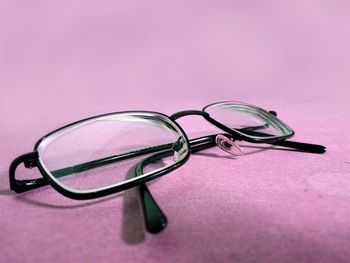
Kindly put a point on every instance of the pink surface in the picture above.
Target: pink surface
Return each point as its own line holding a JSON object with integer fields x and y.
{"x": 63, "y": 61}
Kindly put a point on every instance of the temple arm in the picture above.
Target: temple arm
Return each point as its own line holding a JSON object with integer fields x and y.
{"x": 305, "y": 147}
{"x": 30, "y": 160}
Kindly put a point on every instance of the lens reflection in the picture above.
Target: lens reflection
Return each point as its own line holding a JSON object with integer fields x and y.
{"x": 98, "y": 152}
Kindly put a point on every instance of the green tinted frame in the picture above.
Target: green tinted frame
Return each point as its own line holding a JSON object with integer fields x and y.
{"x": 155, "y": 219}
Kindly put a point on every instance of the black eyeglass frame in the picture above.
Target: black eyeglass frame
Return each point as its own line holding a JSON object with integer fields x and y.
{"x": 32, "y": 159}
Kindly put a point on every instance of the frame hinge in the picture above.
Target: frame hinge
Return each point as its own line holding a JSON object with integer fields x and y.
{"x": 31, "y": 162}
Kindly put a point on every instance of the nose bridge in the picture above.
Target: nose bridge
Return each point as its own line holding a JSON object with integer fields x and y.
{"x": 207, "y": 117}
{"x": 180, "y": 114}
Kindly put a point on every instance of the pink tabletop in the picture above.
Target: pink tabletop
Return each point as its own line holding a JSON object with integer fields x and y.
{"x": 67, "y": 60}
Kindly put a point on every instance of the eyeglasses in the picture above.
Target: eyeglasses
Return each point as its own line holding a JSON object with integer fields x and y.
{"x": 109, "y": 153}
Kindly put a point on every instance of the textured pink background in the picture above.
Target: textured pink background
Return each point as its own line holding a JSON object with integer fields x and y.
{"x": 66, "y": 60}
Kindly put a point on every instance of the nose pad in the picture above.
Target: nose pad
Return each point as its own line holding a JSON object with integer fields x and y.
{"x": 227, "y": 145}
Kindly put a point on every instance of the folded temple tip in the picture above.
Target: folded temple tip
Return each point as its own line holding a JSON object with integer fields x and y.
{"x": 157, "y": 227}
{"x": 317, "y": 148}
{"x": 323, "y": 149}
